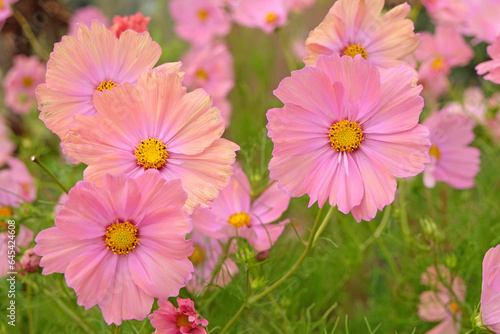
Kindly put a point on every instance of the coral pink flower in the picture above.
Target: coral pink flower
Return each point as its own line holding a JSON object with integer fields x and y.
{"x": 156, "y": 125}
{"x": 6, "y": 145}
{"x": 137, "y": 23}
{"x": 354, "y": 27}
{"x": 93, "y": 61}
{"x": 86, "y": 15}
{"x": 5, "y": 11}
{"x": 21, "y": 81}
{"x": 452, "y": 160}
{"x": 345, "y": 132}
{"x": 490, "y": 294}
{"x": 438, "y": 304}
{"x": 205, "y": 258}
{"x": 491, "y": 66}
{"x": 264, "y": 14}
{"x": 199, "y": 21}
{"x": 233, "y": 213}
{"x": 120, "y": 245}
{"x": 16, "y": 184}
{"x": 171, "y": 320}
{"x": 299, "y": 5}
{"x": 22, "y": 239}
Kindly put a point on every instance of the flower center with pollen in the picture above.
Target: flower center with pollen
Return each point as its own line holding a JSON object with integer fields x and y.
{"x": 354, "y": 50}
{"x": 106, "y": 85}
{"x": 271, "y": 18}
{"x": 239, "y": 219}
{"x": 121, "y": 237}
{"x": 202, "y": 15}
{"x": 198, "y": 256}
{"x": 151, "y": 153}
{"x": 27, "y": 81}
{"x": 183, "y": 320}
{"x": 438, "y": 64}
{"x": 345, "y": 136}
{"x": 454, "y": 307}
{"x": 434, "y": 151}
{"x": 5, "y": 211}
{"x": 202, "y": 74}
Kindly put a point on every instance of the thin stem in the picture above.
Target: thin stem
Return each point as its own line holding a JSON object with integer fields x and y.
{"x": 114, "y": 329}
{"x": 29, "y": 294}
{"x": 37, "y": 47}
{"x": 52, "y": 176}
{"x": 323, "y": 225}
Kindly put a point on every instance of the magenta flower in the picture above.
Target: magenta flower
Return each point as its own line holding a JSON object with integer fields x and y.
{"x": 452, "y": 160}
{"x": 490, "y": 294}
{"x": 16, "y": 184}
{"x": 199, "y": 21}
{"x": 263, "y": 14}
{"x": 21, "y": 81}
{"x": 171, "y": 320}
{"x": 233, "y": 214}
{"x": 86, "y": 15}
{"x": 354, "y": 27}
{"x": 438, "y": 304}
{"x": 137, "y": 23}
{"x": 491, "y": 66}
{"x": 5, "y": 11}
{"x": 156, "y": 125}
{"x": 345, "y": 132}
{"x": 120, "y": 245}
{"x": 23, "y": 239}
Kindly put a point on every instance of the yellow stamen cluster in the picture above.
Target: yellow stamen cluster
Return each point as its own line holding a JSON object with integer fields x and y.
{"x": 434, "y": 151}
{"x": 438, "y": 64}
{"x": 345, "y": 136}
{"x": 198, "y": 256}
{"x": 202, "y": 15}
{"x": 151, "y": 153}
{"x": 106, "y": 85}
{"x": 354, "y": 50}
{"x": 239, "y": 219}
{"x": 183, "y": 320}
{"x": 454, "y": 307}
{"x": 5, "y": 211}
{"x": 271, "y": 18}
{"x": 1, "y": 4}
{"x": 27, "y": 81}
{"x": 202, "y": 74}
{"x": 121, "y": 238}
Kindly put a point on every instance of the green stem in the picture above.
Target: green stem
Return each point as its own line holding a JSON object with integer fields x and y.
{"x": 385, "y": 251}
{"x": 46, "y": 170}
{"x": 114, "y": 329}
{"x": 29, "y": 294}
{"x": 72, "y": 315}
{"x": 37, "y": 47}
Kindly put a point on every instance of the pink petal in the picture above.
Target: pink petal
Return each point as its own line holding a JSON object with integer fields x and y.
{"x": 266, "y": 235}
{"x": 271, "y": 204}
{"x": 432, "y": 306}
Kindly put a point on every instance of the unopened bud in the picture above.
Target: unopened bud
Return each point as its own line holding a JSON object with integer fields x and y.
{"x": 30, "y": 261}
{"x": 261, "y": 256}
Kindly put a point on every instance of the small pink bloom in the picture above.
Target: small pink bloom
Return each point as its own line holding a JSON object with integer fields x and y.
{"x": 21, "y": 81}
{"x": 453, "y": 161}
{"x": 354, "y": 27}
{"x": 234, "y": 214}
{"x": 30, "y": 262}
{"x": 137, "y": 23}
{"x": 5, "y": 11}
{"x": 345, "y": 132}
{"x": 299, "y": 5}
{"x": 438, "y": 304}
{"x": 120, "y": 245}
{"x": 482, "y": 20}
{"x": 6, "y": 145}
{"x": 86, "y": 15}
{"x": 452, "y": 13}
{"x": 199, "y": 21}
{"x": 16, "y": 184}
{"x": 22, "y": 239}
{"x": 264, "y": 14}
{"x": 171, "y": 320}
{"x": 156, "y": 125}
{"x": 491, "y": 66}
{"x": 490, "y": 294}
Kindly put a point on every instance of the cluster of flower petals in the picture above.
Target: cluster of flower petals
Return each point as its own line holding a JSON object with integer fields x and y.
{"x": 16, "y": 184}
{"x": 492, "y": 67}
{"x": 22, "y": 239}
{"x": 490, "y": 292}
{"x": 263, "y": 14}
{"x": 171, "y": 320}
{"x": 137, "y": 23}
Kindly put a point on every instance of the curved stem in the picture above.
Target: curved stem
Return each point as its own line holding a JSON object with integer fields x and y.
{"x": 37, "y": 47}
{"x": 46, "y": 170}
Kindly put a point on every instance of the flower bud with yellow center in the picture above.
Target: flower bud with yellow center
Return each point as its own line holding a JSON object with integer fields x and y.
{"x": 121, "y": 238}
{"x": 106, "y": 85}
{"x": 239, "y": 219}
{"x": 354, "y": 50}
{"x": 198, "y": 255}
{"x": 345, "y": 136}
{"x": 151, "y": 153}
{"x": 434, "y": 151}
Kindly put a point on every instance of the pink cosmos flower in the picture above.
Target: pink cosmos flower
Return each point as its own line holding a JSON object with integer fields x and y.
{"x": 234, "y": 214}
{"x": 30, "y": 261}
{"x": 120, "y": 245}
{"x": 23, "y": 239}
{"x": 5, "y": 11}
{"x": 264, "y": 14}
{"x": 299, "y": 5}
{"x": 137, "y": 23}
{"x": 199, "y": 21}
{"x": 171, "y": 320}
{"x": 93, "y": 61}
{"x": 6, "y": 145}
{"x": 86, "y": 15}
{"x": 21, "y": 81}
{"x": 452, "y": 160}
{"x": 482, "y": 20}
{"x": 156, "y": 125}
{"x": 438, "y": 304}
{"x": 490, "y": 294}
{"x": 354, "y": 27}
{"x": 491, "y": 66}
{"x": 452, "y": 13}
{"x": 16, "y": 184}
{"x": 345, "y": 132}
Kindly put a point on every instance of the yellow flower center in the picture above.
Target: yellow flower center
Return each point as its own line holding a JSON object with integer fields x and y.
{"x": 106, "y": 85}
{"x": 239, "y": 219}
{"x": 271, "y": 18}
{"x": 151, "y": 153}
{"x": 354, "y": 50}
{"x": 1, "y": 4}
{"x": 198, "y": 256}
{"x": 27, "y": 81}
{"x": 438, "y": 64}
{"x": 454, "y": 307}
{"x": 202, "y": 74}
{"x": 434, "y": 151}
{"x": 121, "y": 237}
{"x": 183, "y": 320}
{"x": 345, "y": 136}
{"x": 5, "y": 211}
{"x": 202, "y": 15}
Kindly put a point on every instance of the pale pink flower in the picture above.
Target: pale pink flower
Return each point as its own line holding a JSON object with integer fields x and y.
{"x": 482, "y": 20}
{"x": 16, "y": 184}
{"x": 263, "y": 14}
{"x": 171, "y": 320}
{"x": 453, "y": 161}
{"x": 120, "y": 245}
{"x": 354, "y": 27}
{"x": 345, "y": 132}
{"x": 438, "y": 303}
{"x": 5, "y": 11}
{"x": 234, "y": 214}
{"x": 22, "y": 239}
{"x": 30, "y": 262}
{"x": 21, "y": 81}
{"x": 93, "y": 61}
{"x": 448, "y": 12}
{"x": 156, "y": 125}
{"x": 299, "y": 5}
{"x": 6, "y": 145}
{"x": 137, "y": 23}
{"x": 490, "y": 294}
{"x": 86, "y": 15}
{"x": 200, "y": 21}
{"x": 491, "y": 66}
